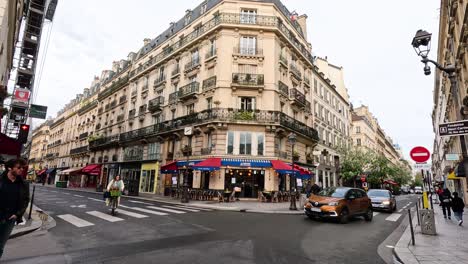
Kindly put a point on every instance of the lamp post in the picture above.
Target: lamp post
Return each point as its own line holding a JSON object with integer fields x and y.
{"x": 422, "y": 45}
{"x": 186, "y": 150}
{"x": 292, "y": 140}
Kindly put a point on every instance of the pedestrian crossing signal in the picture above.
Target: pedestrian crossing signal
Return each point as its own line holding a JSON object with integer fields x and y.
{"x": 23, "y": 133}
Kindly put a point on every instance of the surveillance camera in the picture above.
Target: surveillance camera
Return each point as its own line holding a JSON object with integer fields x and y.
{"x": 427, "y": 70}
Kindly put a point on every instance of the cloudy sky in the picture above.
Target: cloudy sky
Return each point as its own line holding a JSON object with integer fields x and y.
{"x": 369, "y": 38}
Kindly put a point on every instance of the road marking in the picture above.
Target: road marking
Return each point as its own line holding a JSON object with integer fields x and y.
{"x": 196, "y": 208}
{"x": 390, "y": 246}
{"x": 78, "y": 206}
{"x": 375, "y": 213}
{"x": 400, "y": 210}
{"x": 54, "y": 191}
{"x": 136, "y": 215}
{"x": 78, "y": 222}
{"x": 60, "y": 202}
{"x": 143, "y": 210}
{"x": 95, "y": 199}
{"x": 166, "y": 210}
{"x": 180, "y": 208}
{"x": 393, "y": 217}
{"x": 104, "y": 216}
{"x": 78, "y": 195}
{"x": 138, "y": 202}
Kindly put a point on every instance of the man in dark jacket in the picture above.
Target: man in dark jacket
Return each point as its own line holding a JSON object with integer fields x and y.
{"x": 446, "y": 200}
{"x": 458, "y": 206}
{"x": 14, "y": 198}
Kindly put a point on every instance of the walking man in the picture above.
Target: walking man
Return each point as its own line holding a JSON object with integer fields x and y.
{"x": 457, "y": 206}
{"x": 14, "y": 198}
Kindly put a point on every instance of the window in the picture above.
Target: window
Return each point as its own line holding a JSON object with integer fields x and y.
{"x": 315, "y": 86}
{"x": 230, "y": 142}
{"x": 209, "y": 103}
{"x": 203, "y": 8}
{"x": 209, "y": 140}
{"x": 358, "y": 142}
{"x": 161, "y": 73}
{"x": 321, "y": 90}
{"x": 190, "y": 109}
{"x": 245, "y": 146}
{"x": 260, "y": 144}
{"x": 154, "y": 151}
{"x": 173, "y": 113}
{"x": 248, "y": 45}
{"x": 195, "y": 57}
{"x": 188, "y": 17}
{"x": 247, "y": 103}
{"x": 358, "y": 130}
{"x": 295, "y": 115}
{"x": 212, "y": 50}
{"x": 247, "y": 68}
{"x": 248, "y": 16}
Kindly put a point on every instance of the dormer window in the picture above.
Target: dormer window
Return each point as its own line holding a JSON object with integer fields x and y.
{"x": 203, "y": 8}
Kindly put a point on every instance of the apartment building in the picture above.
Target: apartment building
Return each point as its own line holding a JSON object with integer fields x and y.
{"x": 39, "y": 142}
{"x": 448, "y": 102}
{"x": 332, "y": 119}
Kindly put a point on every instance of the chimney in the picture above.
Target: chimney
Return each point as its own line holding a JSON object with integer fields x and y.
{"x": 115, "y": 66}
{"x": 302, "y": 21}
{"x": 146, "y": 41}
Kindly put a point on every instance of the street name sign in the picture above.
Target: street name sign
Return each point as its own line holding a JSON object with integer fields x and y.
{"x": 452, "y": 157}
{"x": 422, "y": 166}
{"x": 453, "y": 128}
{"x": 420, "y": 154}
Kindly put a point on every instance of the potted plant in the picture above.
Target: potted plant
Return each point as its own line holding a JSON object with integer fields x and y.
{"x": 217, "y": 103}
{"x": 186, "y": 150}
{"x": 296, "y": 156}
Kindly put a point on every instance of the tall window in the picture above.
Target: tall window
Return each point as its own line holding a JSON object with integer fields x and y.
{"x": 358, "y": 142}
{"x": 248, "y": 16}
{"x": 161, "y": 73}
{"x": 209, "y": 103}
{"x": 358, "y": 129}
{"x": 195, "y": 56}
{"x": 212, "y": 50}
{"x": 154, "y": 151}
{"x": 315, "y": 86}
{"x": 190, "y": 109}
{"x": 260, "y": 144}
{"x": 248, "y": 45}
{"x": 247, "y": 103}
{"x": 230, "y": 142}
{"x": 245, "y": 144}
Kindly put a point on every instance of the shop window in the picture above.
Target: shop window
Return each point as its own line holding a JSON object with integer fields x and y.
{"x": 245, "y": 144}
{"x": 230, "y": 143}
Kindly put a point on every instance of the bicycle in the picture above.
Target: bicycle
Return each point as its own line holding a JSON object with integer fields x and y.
{"x": 114, "y": 198}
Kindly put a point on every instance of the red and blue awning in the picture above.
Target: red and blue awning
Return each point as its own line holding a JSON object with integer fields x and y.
{"x": 169, "y": 168}
{"x": 246, "y": 163}
{"x": 210, "y": 164}
{"x": 92, "y": 169}
{"x": 283, "y": 167}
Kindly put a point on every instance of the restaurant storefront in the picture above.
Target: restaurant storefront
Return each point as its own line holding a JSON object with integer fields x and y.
{"x": 109, "y": 171}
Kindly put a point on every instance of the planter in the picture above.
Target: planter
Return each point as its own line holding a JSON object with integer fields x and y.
{"x": 61, "y": 184}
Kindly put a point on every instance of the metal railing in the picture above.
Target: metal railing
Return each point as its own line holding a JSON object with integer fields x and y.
{"x": 173, "y": 97}
{"x": 104, "y": 141}
{"x": 192, "y": 64}
{"x": 156, "y": 103}
{"x": 79, "y": 150}
{"x": 283, "y": 88}
{"x": 159, "y": 80}
{"x": 248, "y": 79}
{"x": 209, "y": 83}
{"x": 297, "y": 96}
{"x": 295, "y": 71}
{"x": 83, "y": 135}
{"x": 188, "y": 90}
{"x": 87, "y": 107}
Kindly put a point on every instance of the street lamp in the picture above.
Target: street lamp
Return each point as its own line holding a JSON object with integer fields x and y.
{"x": 422, "y": 45}
{"x": 188, "y": 131}
{"x": 292, "y": 140}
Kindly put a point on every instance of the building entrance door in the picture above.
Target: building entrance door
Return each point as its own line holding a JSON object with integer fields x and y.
{"x": 250, "y": 181}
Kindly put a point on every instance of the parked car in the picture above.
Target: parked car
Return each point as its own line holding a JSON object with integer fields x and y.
{"x": 382, "y": 200}
{"x": 340, "y": 203}
{"x": 418, "y": 190}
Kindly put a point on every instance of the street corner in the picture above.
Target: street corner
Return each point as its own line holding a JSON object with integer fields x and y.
{"x": 40, "y": 220}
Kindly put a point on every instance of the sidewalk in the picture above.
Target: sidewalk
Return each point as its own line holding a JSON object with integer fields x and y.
{"x": 249, "y": 206}
{"x": 28, "y": 226}
{"x": 448, "y": 246}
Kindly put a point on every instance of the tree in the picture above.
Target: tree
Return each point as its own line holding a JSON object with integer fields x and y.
{"x": 380, "y": 169}
{"x": 401, "y": 175}
{"x": 354, "y": 162}
{"x": 418, "y": 180}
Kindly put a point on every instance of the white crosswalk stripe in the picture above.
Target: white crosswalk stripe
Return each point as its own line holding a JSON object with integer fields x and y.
{"x": 104, "y": 216}
{"x": 143, "y": 210}
{"x": 181, "y": 208}
{"x": 166, "y": 210}
{"x": 375, "y": 213}
{"x": 97, "y": 200}
{"x": 139, "y": 202}
{"x": 393, "y": 217}
{"x": 132, "y": 214}
{"x": 78, "y": 222}
{"x": 78, "y": 195}
{"x": 196, "y": 208}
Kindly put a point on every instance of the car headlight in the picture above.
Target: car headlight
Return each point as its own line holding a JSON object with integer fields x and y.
{"x": 333, "y": 203}
{"x": 386, "y": 202}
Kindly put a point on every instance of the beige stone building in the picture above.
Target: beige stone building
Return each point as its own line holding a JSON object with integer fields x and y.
{"x": 39, "y": 142}
{"x": 452, "y": 49}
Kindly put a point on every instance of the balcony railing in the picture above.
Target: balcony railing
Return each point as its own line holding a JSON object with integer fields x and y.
{"x": 113, "y": 88}
{"x": 192, "y": 65}
{"x": 245, "y": 51}
{"x": 133, "y": 156}
{"x": 87, "y": 107}
{"x": 173, "y": 97}
{"x": 283, "y": 88}
{"x": 159, "y": 80}
{"x": 247, "y": 79}
{"x": 153, "y": 156}
{"x": 298, "y": 97}
{"x": 122, "y": 99}
{"x": 131, "y": 113}
{"x": 79, "y": 150}
{"x": 188, "y": 90}
{"x": 104, "y": 142}
{"x": 295, "y": 71}
{"x": 176, "y": 71}
{"x": 209, "y": 83}
{"x": 83, "y": 136}
{"x": 211, "y": 53}
{"x": 156, "y": 103}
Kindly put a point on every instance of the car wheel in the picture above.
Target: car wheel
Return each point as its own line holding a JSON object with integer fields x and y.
{"x": 344, "y": 216}
{"x": 369, "y": 215}
{"x": 394, "y": 208}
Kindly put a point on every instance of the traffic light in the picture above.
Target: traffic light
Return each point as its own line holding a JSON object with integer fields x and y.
{"x": 23, "y": 133}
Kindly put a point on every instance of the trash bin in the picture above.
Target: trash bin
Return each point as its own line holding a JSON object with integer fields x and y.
{"x": 427, "y": 222}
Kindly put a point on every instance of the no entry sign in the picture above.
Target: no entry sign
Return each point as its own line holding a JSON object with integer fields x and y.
{"x": 420, "y": 154}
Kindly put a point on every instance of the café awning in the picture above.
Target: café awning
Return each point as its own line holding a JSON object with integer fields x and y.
{"x": 71, "y": 171}
{"x": 246, "y": 163}
{"x": 92, "y": 169}
{"x": 283, "y": 167}
{"x": 50, "y": 171}
{"x": 169, "y": 168}
{"x": 210, "y": 164}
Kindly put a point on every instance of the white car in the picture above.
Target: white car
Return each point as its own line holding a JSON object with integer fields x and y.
{"x": 418, "y": 190}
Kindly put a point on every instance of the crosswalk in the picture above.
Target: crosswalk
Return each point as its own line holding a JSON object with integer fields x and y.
{"x": 125, "y": 212}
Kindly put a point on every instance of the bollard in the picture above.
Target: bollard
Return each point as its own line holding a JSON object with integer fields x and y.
{"x": 32, "y": 200}
{"x": 411, "y": 226}
{"x": 417, "y": 213}
{"x": 432, "y": 206}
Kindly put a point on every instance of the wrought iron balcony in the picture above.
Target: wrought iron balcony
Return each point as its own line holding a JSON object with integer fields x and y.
{"x": 160, "y": 80}
{"x": 173, "y": 97}
{"x": 135, "y": 156}
{"x": 156, "y": 103}
{"x": 79, "y": 150}
{"x": 247, "y": 79}
{"x": 87, "y": 107}
{"x": 83, "y": 136}
{"x": 295, "y": 71}
{"x": 192, "y": 65}
{"x": 188, "y": 90}
{"x": 297, "y": 97}
{"x": 283, "y": 88}
{"x": 113, "y": 88}
{"x": 131, "y": 113}
{"x": 153, "y": 156}
{"x": 209, "y": 84}
{"x": 104, "y": 142}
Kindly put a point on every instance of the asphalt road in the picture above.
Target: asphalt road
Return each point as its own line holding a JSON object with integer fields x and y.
{"x": 154, "y": 232}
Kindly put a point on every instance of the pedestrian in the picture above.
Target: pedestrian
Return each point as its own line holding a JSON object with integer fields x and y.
{"x": 440, "y": 191}
{"x": 458, "y": 206}
{"x": 115, "y": 183}
{"x": 14, "y": 198}
{"x": 315, "y": 188}
{"x": 446, "y": 200}
{"x": 308, "y": 189}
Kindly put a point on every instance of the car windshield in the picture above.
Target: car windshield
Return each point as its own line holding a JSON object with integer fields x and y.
{"x": 378, "y": 193}
{"x": 333, "y": 192}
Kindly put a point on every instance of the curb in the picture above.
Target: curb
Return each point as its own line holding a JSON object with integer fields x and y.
{"x": 401, "y": 251}
{"x": 203, "y": 206}
{"x": 35, "y": 225}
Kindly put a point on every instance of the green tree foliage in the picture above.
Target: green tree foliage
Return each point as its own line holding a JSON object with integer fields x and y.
{"x": 418, "y": 180}
{"x": 354, "y": 162}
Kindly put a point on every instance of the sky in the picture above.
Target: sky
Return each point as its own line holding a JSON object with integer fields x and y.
{"x": 370, "y": 39}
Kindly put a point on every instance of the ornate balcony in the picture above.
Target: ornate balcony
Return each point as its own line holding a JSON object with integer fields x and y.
{"x": 156, "y": 104}
{"x": 104, "y": 142}
{"x": 247, "y": 80}
{"x": 295, "y": 72}
{"x": 297, "y": 97}
{"x": 87, "y": 107}
{"x": 80, "y": 150}
{"x": 188, "y": 91}
{"x": 209, "y": 84}
{"x": 173, "y": 97}
{"x": 194, "y": 64}
{"x": 159, "y": 82}
{"x": 247, "y": 52}
{"x": 283, "y": 88}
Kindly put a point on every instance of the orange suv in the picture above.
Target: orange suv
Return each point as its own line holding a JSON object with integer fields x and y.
{"x": 339, "y": 203}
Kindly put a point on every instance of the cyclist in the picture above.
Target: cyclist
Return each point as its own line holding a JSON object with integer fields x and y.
{"x": 115, "y": 188}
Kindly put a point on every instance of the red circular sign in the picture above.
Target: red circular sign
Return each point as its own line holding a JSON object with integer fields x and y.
{"x": 420, "y": 154}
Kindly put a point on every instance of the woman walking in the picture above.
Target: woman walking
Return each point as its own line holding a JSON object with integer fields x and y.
{"x": 458, "y": 206}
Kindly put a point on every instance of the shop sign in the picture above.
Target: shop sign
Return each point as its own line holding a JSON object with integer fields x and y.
{"x": 452, "y": 157}
{"x": 246, "y": 164}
